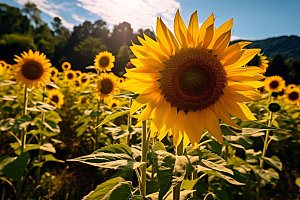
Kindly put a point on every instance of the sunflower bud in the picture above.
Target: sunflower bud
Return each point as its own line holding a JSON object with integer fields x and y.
{"x": 274, "y": 107}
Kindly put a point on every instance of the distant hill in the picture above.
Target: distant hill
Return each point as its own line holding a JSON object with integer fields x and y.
{"x": 287, "y": 46}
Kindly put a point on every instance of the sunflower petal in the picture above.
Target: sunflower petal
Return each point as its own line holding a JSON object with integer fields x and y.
{"x": 193, "y": 30}
{"x": 180, "y": 30}
{"x": 212, "y": 124}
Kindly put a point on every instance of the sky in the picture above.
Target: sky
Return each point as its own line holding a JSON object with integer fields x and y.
{"x": 253, "y": 20}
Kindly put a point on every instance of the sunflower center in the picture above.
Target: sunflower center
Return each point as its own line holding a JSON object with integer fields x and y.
{"x": 83, "y": 79}
{"x": 192, "y": 79}
{"x": 32, "y": 70}
{"x": 293, "y": 96}
{"x": 70, "y": 76}
{"x": 52, "y": 73}
{"x": 55, "y": 98}
{"x": 274, "y": 84}
{"x": 113, "y": 105}
{"x": 106, "y": 86}
{"x": 104, "y": 61}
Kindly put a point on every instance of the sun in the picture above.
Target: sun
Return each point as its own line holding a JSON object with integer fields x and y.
{"x": 189, "y": 80}
{"x": 32, "y": 69}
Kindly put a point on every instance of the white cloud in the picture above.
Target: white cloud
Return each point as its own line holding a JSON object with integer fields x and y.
{"x": 234, "y": 37}
{"x": 50, "y": 8}
{"x": 78, "y": 18}
{"x": 139, "y": 13}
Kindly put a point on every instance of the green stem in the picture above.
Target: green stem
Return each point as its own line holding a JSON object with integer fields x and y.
{"x": 97, "y": 128}
{"x": 23, "y": 132}
{"x": 23, "y": 139}
{"x": 176, "y": 190}
{"x": 261, "y": 164}
{"x": 41, "y": 142}
{"x": 129, "y": 124}
{"x": 143, "y": 168}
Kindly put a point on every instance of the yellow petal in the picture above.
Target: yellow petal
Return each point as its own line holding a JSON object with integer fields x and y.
{"x": 247, "y": 85}
{"x": 209, "y": 34}
{"x": 212, "y": 124}
{"x": 232, "y": 49}
{"x": 180, "y": 30}
{"x": 135, "y": 107}
{"x": 193, "y": 30}
{"x": 247, "y": 55}
{"x": 221, "y": 43}
{"x": 163, "y": 38}
{"x": 237, "y": 109}
{"x": 222, "y": 114}
{"x": 226, "y": 27}
{"x": 134, "y": 85}
{"x": 209, "y": 21}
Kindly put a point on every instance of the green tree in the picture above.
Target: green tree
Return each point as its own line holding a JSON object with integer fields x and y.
{"x": 85, "y": 52}
{"x": 13, "y": 44}
{"x": 33, "y": 13}
{"x": 122, "y": 34}
{"x": 277, "y": 67}
{"x": 12, "y": 20}
{"x": 122, "y": 59}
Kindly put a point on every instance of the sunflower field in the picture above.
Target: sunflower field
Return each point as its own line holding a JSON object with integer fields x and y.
{"x": 194, "y": 117}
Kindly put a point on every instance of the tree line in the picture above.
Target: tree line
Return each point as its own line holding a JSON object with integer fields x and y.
{"x": 23, "y": 29}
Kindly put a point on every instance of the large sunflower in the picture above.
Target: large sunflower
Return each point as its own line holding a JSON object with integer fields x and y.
{"x": 293, "y": 96}
{"x": 189, "y": 80}
{"x": 32, "y": 69}
{"x": 104, "y": 61}
{"x": 274, "y": 84}
{"x": 107, "y": 84}
{"x": 56, "y": 97}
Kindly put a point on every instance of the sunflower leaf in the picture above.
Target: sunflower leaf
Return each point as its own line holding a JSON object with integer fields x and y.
{"x": 116, "y": 188}
{"x": 112, "y": 116}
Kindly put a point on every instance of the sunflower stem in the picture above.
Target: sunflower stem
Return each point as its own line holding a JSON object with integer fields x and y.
{"x": 176, "y": 190}
{"x": 265, "y": 147}
{"x": 23, "y": 132}
{"x": 23, "y": 139}
{"x": 41, "y": 142}
{"x": 97, "y": 128}
{"x": 143, "y": 167}
{"x": 129, "y": 124}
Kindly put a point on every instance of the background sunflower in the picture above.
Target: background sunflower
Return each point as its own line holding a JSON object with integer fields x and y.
{"x": 104, "y": 61}
{"x": 55, "y": 97}
{"x": 107, "y": 84}
{"x": 274, "y": 84}
{"x": 32, "y": 69}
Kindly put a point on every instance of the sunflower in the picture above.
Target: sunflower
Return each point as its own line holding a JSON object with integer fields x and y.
{"x": 78, "y": 73}
{"x": 66, "y": 66}
{"x": 84, "y": 100}
{"x": 3, "y": 64}
{"x": 261, "y": 61}
{"x": 293, "y": 96}
{"x": 56, "y": 97}
{"x": 107, "y": 84}
{"x": 104, "y": 61}
{"x": 70, "y": 75}
{"x": 53, "y": 71}
{"x": 32, "y": 69}
{"x": 274, "y": 84}
{"x": 188, "y": 80}
{"x": 290, "y": 86}
{"x": 84, "y": 78}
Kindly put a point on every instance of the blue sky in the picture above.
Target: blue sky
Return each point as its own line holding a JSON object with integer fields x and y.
{"x": 256, "y": 19}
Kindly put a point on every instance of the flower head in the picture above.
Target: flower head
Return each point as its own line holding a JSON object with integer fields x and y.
{"x": 189, "y": 80}
{"x": 104, "y": 61}
{"x": 274, "y": 84}
{"x": 32, "y": 69}
{"x": 66, "y": 66}
{"x": 107, "y": 84}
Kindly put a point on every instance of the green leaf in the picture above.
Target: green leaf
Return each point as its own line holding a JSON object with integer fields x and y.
{"x": 16, "y": 169}
{"x": 116, "y": 156}
{"x": 274, "y": 161}
{"x": 5, "y": 160}
{"x": 48, "y": 147}
{"x": 256, "y": 125}
{"x": 241, "y": 140}
{"x": 114, "y": 115}
{"x": 7, "y": 82}
{"x": 189, "y": 184}
{"x": 184, "y": 194}
{"x": 138, "y": 197}
{"x": 9, "y": 98}
{"x": 15, "y": 124}
{"x": 225, "y": 177}
{"x": 158, "y": 146}
{"x": 116, "y": 188}
{"x": 164, "y": 164}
